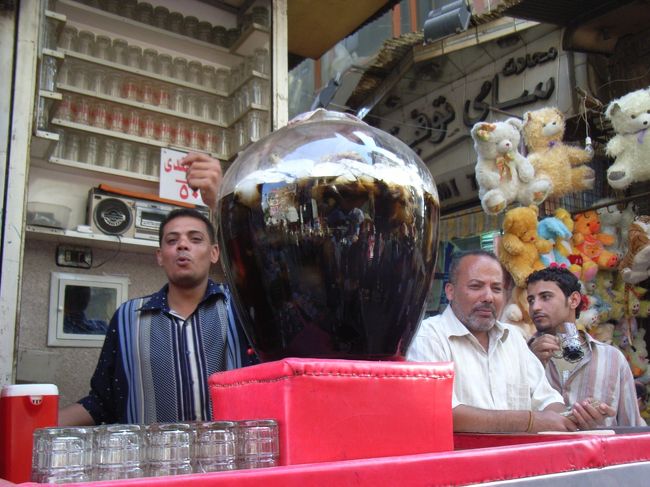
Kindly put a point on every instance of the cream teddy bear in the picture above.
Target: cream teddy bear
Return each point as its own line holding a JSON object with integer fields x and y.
{"x": 502, "y": 173}
{"x": 562, "y": 164}
{"x": 630, "y": 117}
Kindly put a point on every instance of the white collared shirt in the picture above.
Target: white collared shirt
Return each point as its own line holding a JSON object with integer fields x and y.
{"x": 506, "y": 377}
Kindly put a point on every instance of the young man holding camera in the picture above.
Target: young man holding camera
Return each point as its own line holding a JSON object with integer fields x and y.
{"x": 594, "y": 370}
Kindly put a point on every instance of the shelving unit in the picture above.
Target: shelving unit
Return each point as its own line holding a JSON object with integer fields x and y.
{"x": 50, "y": 161}
{"x": 140, "y": 72}
{"x": 98, "y": 240}
{"x": 140, "y": 105}
{"x": 149, "y": 34}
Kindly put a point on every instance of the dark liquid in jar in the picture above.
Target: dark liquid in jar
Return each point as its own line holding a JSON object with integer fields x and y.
{"x": 330, "y": 270}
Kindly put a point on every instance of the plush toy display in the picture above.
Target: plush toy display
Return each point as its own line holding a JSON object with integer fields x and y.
{"x": 611, "y": 219}
{"x": 583, "y": 270}
{"x": 552, "y": 228}
{"x": 590, "y": 241}
{"x": 604, "y": 332}
{"x": 502, "y": 173}
{"x": 564, "y": 165}
{"x": 520, "y": 246}
{"x": 635, "y": 266}
{"x": 630, "y": 117}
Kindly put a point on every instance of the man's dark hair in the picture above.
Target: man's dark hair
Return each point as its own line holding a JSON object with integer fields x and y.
{"x": 192, "y": 213}
{"x": 457, "y": 257}
{"x": 561, "y": 276}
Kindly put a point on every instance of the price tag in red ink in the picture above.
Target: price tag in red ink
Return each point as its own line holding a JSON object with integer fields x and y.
{"x": 173, "y": 179}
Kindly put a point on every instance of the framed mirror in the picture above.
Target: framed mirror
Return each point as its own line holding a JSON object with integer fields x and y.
{"x": 81, "y": 307}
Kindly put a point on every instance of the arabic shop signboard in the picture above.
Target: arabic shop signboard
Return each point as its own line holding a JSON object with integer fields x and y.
{"x": 437, "y": 126}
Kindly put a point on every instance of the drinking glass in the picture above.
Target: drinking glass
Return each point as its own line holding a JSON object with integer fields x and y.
{"x": 102, "y": 47}
{"x": 85, "y": 42}
{"x": 170, "y": 446}
{"x": 68, "y": 39}
{"x": 64, "y": 110}
{"x": 219, "y": 111}
{"x": 195, "y": 136}
{"x": 112, "y": 85}
{"x": 180, "y": 68}
{"x": 90, "y": 150}
{"x": 148, "y": 127}
{"x": 178, "y": 100}
{"x": 164, "y": 65}
{"x": 119, "y": 451}
{"x": 219, "y": 35}
{"x": 161, "y": 17}
{"x": 190, "y": 26}
{"x": 153, "y": 164}
{"x": 62, "y": 455}
{"x": 109, "y": 154}
{"x": 141, "y": 160}
{"x": 130, "y": 89}
{"x": 194, "y": 72}
{"x": 180, "y": 134}
{"x": 222, "y": 82}
{"x": 81, "y": 110}
{"x": 116, "y": 119}
{"x": 261, "y": 63}
{"x": 99, "y": 115}
{"x": 95, "y": 80}
{"x": 132, "y": 122}
{"x": 119, "y": 51}
{"x": 161, "y": 95}
{"x": 144, "y": 13}
{"x": 257, "y": 443}
{"x": 146, "y": 93}
{"x": 78, "y": 76}
{"x": 193, "y": 104}
{"x": 176, "y": 22}
{"x": 48, "y": 73}
{"x": 214, "y": 446}
{"x": 124, "y": 157}
{"x": 163, "y": 130}
{"x": 225, "y": 143}
{"x": 209, "y": 77}
{"x": 134, "y": 56}
{"x": 204, "y": 31}
{"x": 149, "y": 60}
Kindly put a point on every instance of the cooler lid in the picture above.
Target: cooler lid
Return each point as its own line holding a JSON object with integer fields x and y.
{"x": 29, "y": 390}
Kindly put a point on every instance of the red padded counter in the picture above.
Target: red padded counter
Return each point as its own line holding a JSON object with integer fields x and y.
{"x": 330, "y": 410}
{"x": 551, "y": 460}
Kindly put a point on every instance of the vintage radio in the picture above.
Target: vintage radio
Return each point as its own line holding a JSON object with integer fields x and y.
{"x": 115, "y": 214}
{"x": 111, "y": 214}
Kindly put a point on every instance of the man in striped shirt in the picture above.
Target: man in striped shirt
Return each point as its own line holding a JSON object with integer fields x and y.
{"x": 602, "y": 373}
{"x": 159, "y": 350}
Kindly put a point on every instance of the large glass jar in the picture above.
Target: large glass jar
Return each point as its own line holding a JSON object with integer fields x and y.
{"x": 328, "y": 232}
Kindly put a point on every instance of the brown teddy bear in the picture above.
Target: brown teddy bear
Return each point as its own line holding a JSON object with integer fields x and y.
{"x": 635, "y": 266}
{"x": 563, "y": 165}
{"x": 590, "y": 242}
{"x": 521, "y": 246}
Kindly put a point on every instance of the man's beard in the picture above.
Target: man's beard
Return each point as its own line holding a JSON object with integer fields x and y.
{"x": 476, "y": 323}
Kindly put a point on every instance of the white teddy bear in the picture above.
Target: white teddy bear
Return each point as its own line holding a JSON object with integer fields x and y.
{"x": 630, "y": 117}
{"x": 502, "y": 173}
{"x": 611, "y": 219}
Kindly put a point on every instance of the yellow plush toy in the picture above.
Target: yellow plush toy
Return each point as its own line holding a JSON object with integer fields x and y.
{"x": 563, "y": 165}
{"x": 520, "y": 246}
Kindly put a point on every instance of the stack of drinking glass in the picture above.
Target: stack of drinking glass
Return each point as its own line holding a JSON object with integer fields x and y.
{"x": 119, "y": 451}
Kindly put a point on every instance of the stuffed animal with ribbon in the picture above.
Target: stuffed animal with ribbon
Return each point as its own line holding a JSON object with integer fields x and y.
{"x": 503, "y": 174}
{"x": 564, "y": 165}
{"x": 635, "y": 265}
{"x": 630, "y": 117}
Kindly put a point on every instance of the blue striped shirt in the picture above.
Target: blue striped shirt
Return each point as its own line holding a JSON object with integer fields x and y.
{"x": 154, "y": 364}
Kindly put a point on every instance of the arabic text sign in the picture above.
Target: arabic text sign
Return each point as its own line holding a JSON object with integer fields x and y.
{"x": 173, "y": 179}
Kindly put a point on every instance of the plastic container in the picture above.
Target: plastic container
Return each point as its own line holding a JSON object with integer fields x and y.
{"x": 24, "y": 408}
{"x": 47, "y": 215}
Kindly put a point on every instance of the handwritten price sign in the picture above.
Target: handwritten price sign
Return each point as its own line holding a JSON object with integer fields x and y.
{"x": 173, "y": 179}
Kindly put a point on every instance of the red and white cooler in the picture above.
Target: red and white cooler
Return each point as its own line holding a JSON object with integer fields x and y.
{"x": 24, "y": 408}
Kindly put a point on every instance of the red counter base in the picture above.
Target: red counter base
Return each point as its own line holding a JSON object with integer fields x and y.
{"x": 329, "y": 410}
